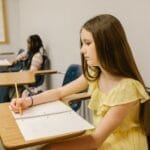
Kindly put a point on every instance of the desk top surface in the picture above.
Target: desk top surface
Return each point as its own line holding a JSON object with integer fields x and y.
{"x": 24, "y": 77}
{"x": 10, "y": 78}
{"x": 11, "y": 136}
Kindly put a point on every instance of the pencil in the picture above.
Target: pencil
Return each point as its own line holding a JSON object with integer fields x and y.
{"x": 17, "y": 96}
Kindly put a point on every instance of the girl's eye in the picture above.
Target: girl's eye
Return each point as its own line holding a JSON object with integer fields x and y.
{"x": 88, "y": 43}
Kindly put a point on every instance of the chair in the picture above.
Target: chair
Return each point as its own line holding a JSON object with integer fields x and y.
{"x": 72, "y": 73}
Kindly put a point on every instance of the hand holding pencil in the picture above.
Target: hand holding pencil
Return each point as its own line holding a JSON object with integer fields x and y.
{"x": 19, "y": 104}
{"x": 17, "y": 96}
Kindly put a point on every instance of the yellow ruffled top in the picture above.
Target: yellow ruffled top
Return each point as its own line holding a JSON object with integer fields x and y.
{"x": 128, "y": 90}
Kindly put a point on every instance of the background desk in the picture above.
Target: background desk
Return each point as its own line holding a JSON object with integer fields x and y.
{"x": 24, "y": 77}
{"x": 9, "y": 56}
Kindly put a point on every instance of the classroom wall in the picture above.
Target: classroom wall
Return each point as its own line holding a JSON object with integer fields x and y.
{"x": 59, "y": 21}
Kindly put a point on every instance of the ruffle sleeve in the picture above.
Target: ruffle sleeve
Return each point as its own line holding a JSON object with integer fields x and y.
{"x": 128, "y": 90}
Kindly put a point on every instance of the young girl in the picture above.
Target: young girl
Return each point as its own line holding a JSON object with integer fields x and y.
{"x": 115, "y": 85}
{"x": 32, "y": 59}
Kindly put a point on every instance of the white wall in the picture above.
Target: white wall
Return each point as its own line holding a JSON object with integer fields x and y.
{"x": 59, "y": 21}
{"x": 13, "y": 27}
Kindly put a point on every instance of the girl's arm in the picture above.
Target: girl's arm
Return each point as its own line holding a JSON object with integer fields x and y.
{"x": 110, "y": 122}
{"x": 21, "y": 56}
{"x": 75, "y": 86}
{"x": 36, "y": 62}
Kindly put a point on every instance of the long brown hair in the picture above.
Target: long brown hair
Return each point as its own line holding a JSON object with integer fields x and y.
{"x": 113, "y": 50}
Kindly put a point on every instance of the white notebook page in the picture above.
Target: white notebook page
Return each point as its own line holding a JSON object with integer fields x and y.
{"x": 50, "y": 120}
{"x": 43, "y": 109}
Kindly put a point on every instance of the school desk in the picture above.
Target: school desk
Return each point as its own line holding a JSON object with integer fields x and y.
{"x": 11, "y": 136}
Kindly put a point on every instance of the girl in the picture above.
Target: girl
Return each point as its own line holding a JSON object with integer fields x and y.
{"x": 32, "y": 59}
{"x": 115, "y": 85}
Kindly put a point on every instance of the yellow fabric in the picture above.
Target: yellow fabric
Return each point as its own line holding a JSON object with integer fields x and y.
{"x": 129, "y": 135}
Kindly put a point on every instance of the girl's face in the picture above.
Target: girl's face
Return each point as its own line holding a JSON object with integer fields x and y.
{"x": 88, "y": 48}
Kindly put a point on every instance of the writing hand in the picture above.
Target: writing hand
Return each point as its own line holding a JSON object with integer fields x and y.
{"x": 18, "y": 103}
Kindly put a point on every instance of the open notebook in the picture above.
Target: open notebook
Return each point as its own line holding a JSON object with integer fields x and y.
{"x": 53, "y": 119}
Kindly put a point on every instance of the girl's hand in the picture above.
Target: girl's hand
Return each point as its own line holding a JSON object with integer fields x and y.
{"x": 22, "y": 103}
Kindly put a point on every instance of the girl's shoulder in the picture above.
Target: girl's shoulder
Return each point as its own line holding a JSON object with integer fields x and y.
{"x": 129, "y": 90}
{"x": 130, "y": 83}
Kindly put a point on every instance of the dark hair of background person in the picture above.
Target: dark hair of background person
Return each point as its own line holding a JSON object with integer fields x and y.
{"x": 35, "y": 43}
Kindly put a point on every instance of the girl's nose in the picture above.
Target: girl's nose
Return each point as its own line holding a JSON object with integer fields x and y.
{"x": 82, "y": 50}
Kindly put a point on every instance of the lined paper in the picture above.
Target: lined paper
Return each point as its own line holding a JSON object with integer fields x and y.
{"x": 54, "y": 119}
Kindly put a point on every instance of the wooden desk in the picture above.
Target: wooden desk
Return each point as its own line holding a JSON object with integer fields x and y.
{"x": 24, "y": 77}
{"x": 10, "y": 57}
{"x": 5, "y": 63}
{"x": 11, "y": 136}
{"x": 6, "y": 53}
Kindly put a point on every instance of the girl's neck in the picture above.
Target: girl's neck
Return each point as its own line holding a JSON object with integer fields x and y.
{"x": 107, "y": 76}
{"x": 108, "y": 81}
